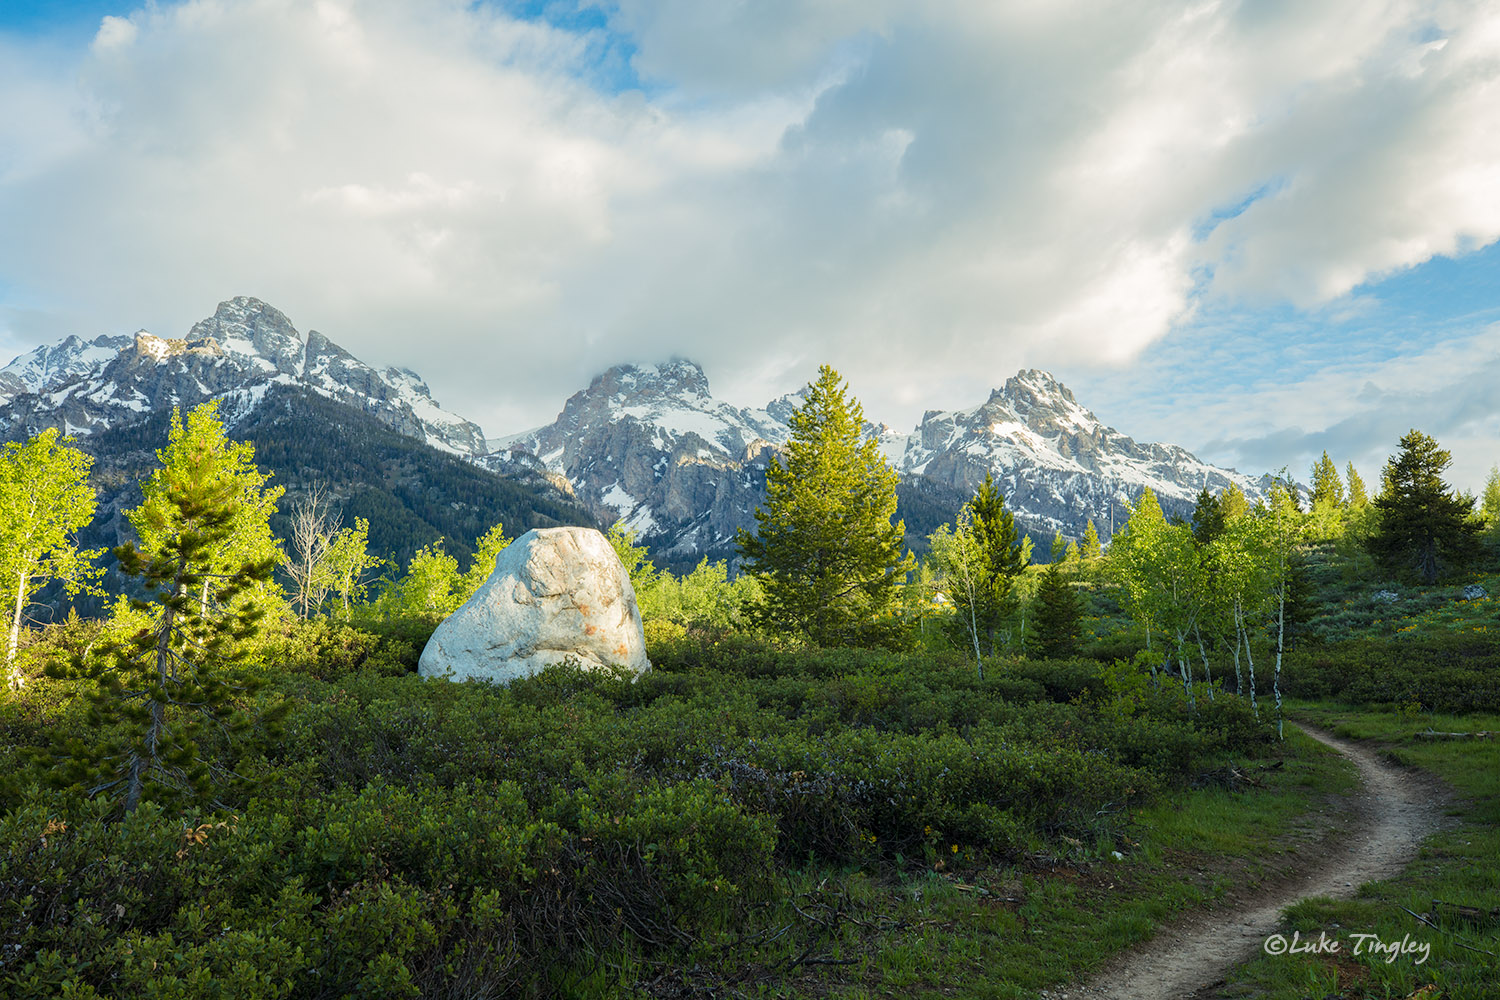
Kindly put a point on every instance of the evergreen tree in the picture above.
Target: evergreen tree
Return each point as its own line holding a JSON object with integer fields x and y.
{"x": 45, "y": 498}
{"x": 1056, "y": 616}
{"x": 175, "y": 682}
{"x": 1358, "y": 498}
{"x": 826, "y": 552}
{"x": 1091, "y": 547}
{"x": 1059, "y": 547}
{"x": 1327, "y": 491}
{"x": 1424, "y": 527}
{"x": 1001, "y": 560}
{"x": 1208, "y": 518}
{"x": 248, "y": 540}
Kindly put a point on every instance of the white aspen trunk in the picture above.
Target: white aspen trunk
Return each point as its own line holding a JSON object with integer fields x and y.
{"x": 1185, "y": 665}
{"x": 1207, "y": 670}
{"x": 12, "y": 668}
{"x": 974, "y": 632}
{"x": 1239, "y": 677}
{"x": 1250, "y": 662}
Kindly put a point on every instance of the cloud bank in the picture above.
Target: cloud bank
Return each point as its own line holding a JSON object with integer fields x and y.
{"x": 926, "y": 196}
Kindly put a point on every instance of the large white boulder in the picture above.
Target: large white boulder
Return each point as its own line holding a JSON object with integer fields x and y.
{"x": 555, "y": 594}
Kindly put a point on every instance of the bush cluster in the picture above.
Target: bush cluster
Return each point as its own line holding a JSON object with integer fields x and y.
{"x": 1457, "y": 673}
{"x": 403, "y": 838}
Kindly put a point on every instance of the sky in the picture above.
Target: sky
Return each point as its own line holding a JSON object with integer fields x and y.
{"x": 1258, "y": 230}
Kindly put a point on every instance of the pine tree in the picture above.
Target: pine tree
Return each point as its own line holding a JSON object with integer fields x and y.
{"x": 1091, "y": 547}
{"x": 826, "y": 551}
{"x": 1002, "y": 560}
{"x": 249, "y": 538}
{"x": 1424, "y": 527}
{"x": 1358, "y": 498}
{"x": 1059, "y": 547}
{"x": 1208, "y": 518}
{"x": 1056, "y": 616}
{"x": 1327, "y": 491}
{"x": 45, "y": 498}
{"x": 174, "y": 683}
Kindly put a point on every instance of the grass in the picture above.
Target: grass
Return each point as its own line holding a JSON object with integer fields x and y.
{"x": 948, "y": 929}
{"x": 1460, "y": 865}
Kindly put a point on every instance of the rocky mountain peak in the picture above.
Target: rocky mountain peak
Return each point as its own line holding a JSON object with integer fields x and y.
{"x": 1038, "y": 386}
{"x": 249, "y": 327}
{"x": 1037, "y": 399}
{"x": 676, "y": 379}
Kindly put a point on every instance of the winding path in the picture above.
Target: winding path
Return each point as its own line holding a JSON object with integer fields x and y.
{"x": 1391, "y": 814}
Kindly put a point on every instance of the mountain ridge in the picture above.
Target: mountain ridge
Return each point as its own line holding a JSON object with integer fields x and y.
{"x": 235, "y": 355}
{"x": 646, "y": 444}
{"x": 651, "y": 446}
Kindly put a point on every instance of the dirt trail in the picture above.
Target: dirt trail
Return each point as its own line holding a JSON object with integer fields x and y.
{"x": 1388, "y": 818}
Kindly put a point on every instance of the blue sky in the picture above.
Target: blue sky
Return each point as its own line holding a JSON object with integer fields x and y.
{"x": 77, "y": 18}
{"x": 1252, "y": 231}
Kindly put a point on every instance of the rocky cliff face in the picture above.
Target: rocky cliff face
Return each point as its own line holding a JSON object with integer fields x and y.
{"x": 650, "y": 445}
{"x": 235, "y": 356}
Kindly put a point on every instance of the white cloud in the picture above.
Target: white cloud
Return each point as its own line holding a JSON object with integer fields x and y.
{"x": 926, "y": 196}
{"x": 114, "y": 33}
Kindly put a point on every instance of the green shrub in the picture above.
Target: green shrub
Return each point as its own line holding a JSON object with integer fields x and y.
{"x": 404, "y": 837}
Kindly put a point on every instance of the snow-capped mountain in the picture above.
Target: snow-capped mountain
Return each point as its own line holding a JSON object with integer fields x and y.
{"x": 1052, "y": 458}
{"x": 651, "y": 445}
{"x": 235, "y": 356}
{"x": 646, "y": 444}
